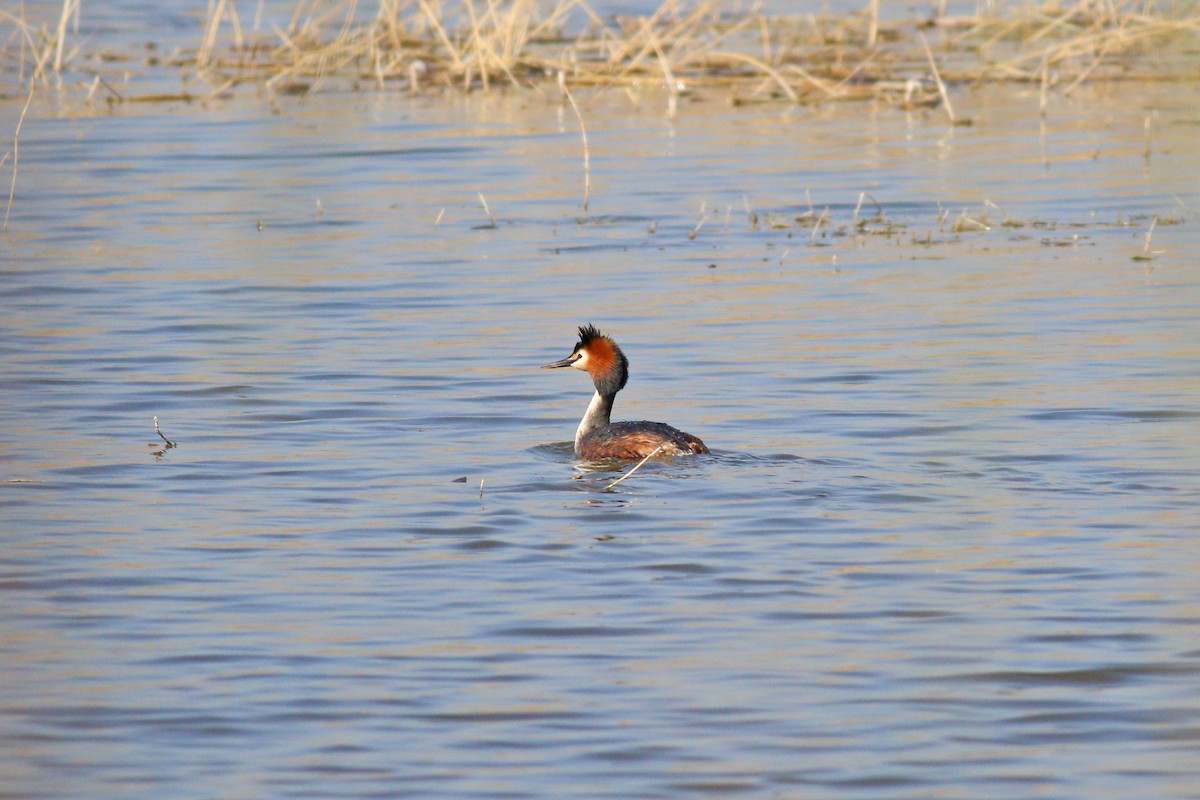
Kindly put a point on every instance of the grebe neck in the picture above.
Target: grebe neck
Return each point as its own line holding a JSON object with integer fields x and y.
{"x": 596, "y": 416}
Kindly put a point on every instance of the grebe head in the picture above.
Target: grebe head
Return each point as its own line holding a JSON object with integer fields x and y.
{"x": 600, "y": 357}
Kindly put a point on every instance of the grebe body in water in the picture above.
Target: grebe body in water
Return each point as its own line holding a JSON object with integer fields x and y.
{"x": 597, "y": 438}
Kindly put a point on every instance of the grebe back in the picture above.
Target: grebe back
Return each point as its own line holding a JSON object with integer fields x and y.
{"x": 597, "y": 438}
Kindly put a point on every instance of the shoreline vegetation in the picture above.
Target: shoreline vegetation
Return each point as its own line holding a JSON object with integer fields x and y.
{"x": 560, "y": 48}
{"x": 430, "y": 46}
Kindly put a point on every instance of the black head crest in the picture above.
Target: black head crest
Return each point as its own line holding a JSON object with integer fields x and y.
{"x": 588, "y": 334}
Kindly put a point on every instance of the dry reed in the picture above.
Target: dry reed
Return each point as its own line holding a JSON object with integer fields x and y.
{"x": 16, "y": 152}
{"x": 587, "y": 159}
{"x": 491, "y": 219}
{"x": 682, "y": 47}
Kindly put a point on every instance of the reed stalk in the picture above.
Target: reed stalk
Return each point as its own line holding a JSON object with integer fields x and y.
{"x": 587, "y": 168}
{"x": 681, "y": 47}
{"x": 16, "y": 154}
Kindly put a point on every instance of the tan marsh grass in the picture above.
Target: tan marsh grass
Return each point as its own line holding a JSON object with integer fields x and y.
{"x": 682, "y": 47}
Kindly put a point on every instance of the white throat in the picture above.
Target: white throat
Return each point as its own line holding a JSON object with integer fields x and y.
{"x": 596, "y": 416}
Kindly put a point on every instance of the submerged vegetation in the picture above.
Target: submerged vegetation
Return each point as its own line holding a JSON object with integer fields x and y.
{"x": 682, "y": 47}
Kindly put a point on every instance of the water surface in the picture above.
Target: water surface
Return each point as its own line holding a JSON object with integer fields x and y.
{"x": 944, "y": 546}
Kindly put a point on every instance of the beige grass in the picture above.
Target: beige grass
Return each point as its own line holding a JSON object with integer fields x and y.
{"x": 682, "y": 47}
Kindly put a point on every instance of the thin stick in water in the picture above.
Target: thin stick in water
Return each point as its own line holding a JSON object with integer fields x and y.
{"x": 941, "y": 86}
{"x": 158, "y": 430}
{"x": 1147, "y": 254}
{"x": 652, "y": 454}
{"x": 483, "y": 200}
{"x": 12, "y": 189}
{"x": 817, "y": 226}
{"x": 587, "y": 168}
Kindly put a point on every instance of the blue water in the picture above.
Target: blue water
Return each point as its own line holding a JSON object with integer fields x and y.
{"x": 944, "y": 546}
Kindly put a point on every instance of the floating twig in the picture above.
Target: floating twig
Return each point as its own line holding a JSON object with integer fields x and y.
{"x": 158, "y": 430}
{"x": 652, "y": 454}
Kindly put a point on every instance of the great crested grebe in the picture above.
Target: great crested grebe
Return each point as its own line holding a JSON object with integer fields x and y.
{"x": 598, "y": 438}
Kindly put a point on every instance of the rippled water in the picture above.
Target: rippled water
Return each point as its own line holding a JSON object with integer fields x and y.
{"x": 945, "y": 545}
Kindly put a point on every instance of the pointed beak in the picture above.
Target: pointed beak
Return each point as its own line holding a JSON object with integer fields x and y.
{"x": 566, "y": 362}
